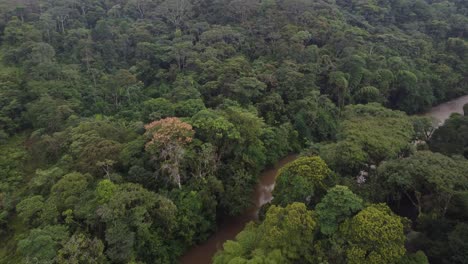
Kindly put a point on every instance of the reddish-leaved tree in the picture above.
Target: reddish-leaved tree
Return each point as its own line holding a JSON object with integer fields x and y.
{"x": 167, "y": 139}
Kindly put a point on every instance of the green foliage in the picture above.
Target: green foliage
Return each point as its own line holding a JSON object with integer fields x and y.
{"x": 137, "y": 218}
{"x": 214, "y": 128}
{"x": 452, "y": 137}
{"x": 257, "y": 80}
{"x": 423, "y": 127}
{"x": 288, "y": 229}
{"x": 368, "y": 94}
{"x": 425, "y": 176}
{"x": 280, "y": 141}
{"x": 29, "y": 208}
{"x": 282, "y": 238}
{"x": 158, "y": 108}
{"x": 120, "y": 242}
{"x": 42, "y": 244}
{"x": 336, "y": 206}
{"x": 302, "y": 180}
{"x": 44, "y": 179}
{"x": 315, "y": 118}
{"x": 105, "y": 190}
{"x": 49, "y": 113}
{"x": 368, "y": 134}
{"x": 12, "y": 159}
{"x": 374, "y": 235}
{"x": 189, "y": 107}
{"x": 192, "y": 219}
{"x": 457, "y": 244}
{"x": 345, "y": 157}
{"x": 68, "y": 191}
{"x": 339, "y": 87}
{"x": 81, "y": 249}
{"x": 408, "y": 95}
{"x": 416, "y": 258}
{"x": 11, "y": 102}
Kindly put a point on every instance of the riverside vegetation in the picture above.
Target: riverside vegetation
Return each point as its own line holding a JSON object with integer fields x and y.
{"x": 130, "y": 128}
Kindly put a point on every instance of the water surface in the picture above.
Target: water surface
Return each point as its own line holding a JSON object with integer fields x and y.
{"x": 230, "y": 227}
{"x": 443, "y": 111}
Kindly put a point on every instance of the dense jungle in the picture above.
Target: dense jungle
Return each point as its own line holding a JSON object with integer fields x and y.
{"x": 137, "y": 131}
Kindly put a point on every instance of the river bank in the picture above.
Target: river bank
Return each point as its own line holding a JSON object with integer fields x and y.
{"x": 227, "y": 230}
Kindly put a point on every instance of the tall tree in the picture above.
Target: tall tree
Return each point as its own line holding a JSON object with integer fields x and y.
{"x": 374, "y": 235}
{"x": 302, "y": 180}
{"x": 167, "y": 140}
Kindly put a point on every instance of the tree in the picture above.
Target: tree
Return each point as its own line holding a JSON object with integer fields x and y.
{"x": 368, "y": 94}
{"x": 99, "y": 156}
{"x": 302, "y": 180}
{"x": 49, "y": 113}
{"x": 43, "y": 180}
{"x": 12, "y": 156}
{"x": 416, "y": 258}
{"x": 381, "y": 133}
{"x": 105, "y": 190}
{"x": 290, "y": 229}
{"x": 142, "y": 7}
{"x": 424, "y": 127}
{"x": 80, "y": 249}
{"x": 247, "y": 89}
{"x": 241, "y": 10}
{"x": 425, "y": 176}
{"x": 157, "y": 108}
{"x": 120, "y": 241}
{"x": 257, "y": 80}
{"x": 96, "y": 145}
{"x": 452, "y": 137}
{"x": 213, "y": 127}
{"x": 194, "y": 220}
{"x": 42, "y": 244}
{"x": 336, "y": 206}
{"x": 167, "y": 140}
{"x": 29, "y": 209}
{"x": 339, "y": 87}
{"x": 181, "y": 48}
{"x": 407, "y": 96}
{"x": 457, "y": 243}
{"x": 121, "y": 88}
{"x": 344, "y": 157}
{"x": 175, "y": 12}
{"x": 189, "y": 108}
{"x": 285, "y": 236}
{"x": 68, "y": 191}
{"x": 11, "y": 101}
{"x": 61, "y": 12}
{"x": 315, "y": 117}
{"x": 374, "y": 235}
{"x": 17, "y": 32}
{"x": 136, "y": 220}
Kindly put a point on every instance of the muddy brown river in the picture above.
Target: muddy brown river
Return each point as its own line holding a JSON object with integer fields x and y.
{"x": 443, "y": 111}
{"x": 229, "y": 228}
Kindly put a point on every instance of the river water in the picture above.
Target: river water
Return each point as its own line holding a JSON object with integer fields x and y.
{"x": 443, "y": 111}
{"x": 227, "y": 230}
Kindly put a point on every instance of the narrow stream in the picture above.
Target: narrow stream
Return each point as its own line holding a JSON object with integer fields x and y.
{"x": 227, "y": 230}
